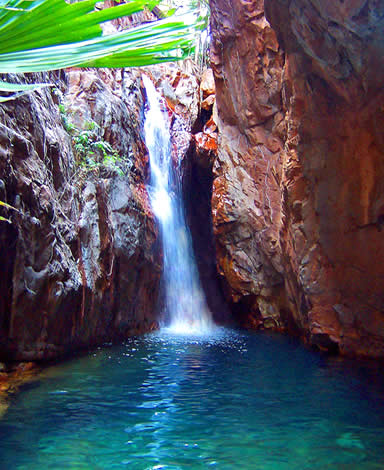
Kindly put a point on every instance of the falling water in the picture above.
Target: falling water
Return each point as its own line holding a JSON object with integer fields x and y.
{"x": 184, "y": 299}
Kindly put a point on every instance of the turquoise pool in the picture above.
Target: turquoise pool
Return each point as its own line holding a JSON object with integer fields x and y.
{"x": 230, "y": 400}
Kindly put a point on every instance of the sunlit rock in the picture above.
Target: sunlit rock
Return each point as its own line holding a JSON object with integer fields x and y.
{"x": 303, "y": 121}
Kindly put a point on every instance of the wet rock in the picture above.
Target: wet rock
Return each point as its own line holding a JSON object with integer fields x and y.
{"x": 206, "y": 149}
{"x": 82, "y": 265}
{"x": 14, "y": 376}
{"x": 208, "y": 103}
{"x": 180, "y": 89}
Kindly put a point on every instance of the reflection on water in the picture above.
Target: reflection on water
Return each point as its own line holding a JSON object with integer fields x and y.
{"x": 227, "y": 401}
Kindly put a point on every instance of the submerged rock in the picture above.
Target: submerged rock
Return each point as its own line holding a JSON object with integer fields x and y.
{"x": 12, "y": 378}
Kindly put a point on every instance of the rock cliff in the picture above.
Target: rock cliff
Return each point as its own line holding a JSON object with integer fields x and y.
{"x": 80, "y": 259}
{"x": 298, "y": 189}
{"x": 297, "y": 186}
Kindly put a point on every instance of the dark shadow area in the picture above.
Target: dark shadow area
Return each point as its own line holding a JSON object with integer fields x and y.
{"x": 197, "y": 197}
{"x": 8, "y": 240}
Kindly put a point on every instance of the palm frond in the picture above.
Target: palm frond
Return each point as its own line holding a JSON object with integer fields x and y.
{"x": 60, "y": 35}
{"x": 167, "y": 39}
{"x": 12, "y": 87}
{"x": 8, "y": 206}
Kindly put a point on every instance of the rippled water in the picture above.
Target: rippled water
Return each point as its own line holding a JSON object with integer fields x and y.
{"x": 226, "y": 401}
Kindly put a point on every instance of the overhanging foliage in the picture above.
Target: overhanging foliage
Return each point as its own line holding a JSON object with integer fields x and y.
{"x": 42, "y": 35}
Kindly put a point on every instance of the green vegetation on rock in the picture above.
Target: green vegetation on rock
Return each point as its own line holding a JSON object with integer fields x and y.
{"x": 91, "y": 151}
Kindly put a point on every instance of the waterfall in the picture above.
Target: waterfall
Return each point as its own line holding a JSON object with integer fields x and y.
{"x": 184, "y": 299}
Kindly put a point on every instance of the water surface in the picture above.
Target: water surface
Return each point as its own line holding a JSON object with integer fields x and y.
{"x": 228, "y": 401}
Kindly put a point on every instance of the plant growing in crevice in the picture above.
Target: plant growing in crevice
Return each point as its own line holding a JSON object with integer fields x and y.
{"x": 92, "y": 152}
{"x": 67, "y": 124}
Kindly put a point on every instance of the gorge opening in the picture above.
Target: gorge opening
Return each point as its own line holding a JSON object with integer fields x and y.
{"x": 260, "y": 204}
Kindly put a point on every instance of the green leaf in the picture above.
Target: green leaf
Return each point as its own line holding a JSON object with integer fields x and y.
{"x": 19, "y": 89}
{"x": 43, "y": 35}
{"x": 13, "y": 87}
{"x": 63, "y": 23}
{"x": 8, "y": 206}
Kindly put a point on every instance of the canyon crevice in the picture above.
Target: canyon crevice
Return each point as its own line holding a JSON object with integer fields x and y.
{"x": 81, "y": 259}
{"x": 298, "y": 190}
{"x": 282, "y": 153}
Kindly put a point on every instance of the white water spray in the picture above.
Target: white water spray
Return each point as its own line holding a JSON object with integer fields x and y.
{"x": 184, "y": 298}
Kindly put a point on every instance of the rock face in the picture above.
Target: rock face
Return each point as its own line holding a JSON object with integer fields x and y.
{"x": 298, "y": 191}
{"x": 80, "y": 259}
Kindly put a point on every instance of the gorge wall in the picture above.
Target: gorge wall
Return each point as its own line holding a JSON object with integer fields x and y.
{"x": 298, "y": 192}
{"x": 82, "y": 256}
{"x": 81, "y": 262}
{"x": 80, "y": 259}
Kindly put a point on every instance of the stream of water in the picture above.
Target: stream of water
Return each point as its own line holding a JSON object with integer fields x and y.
{"x": 185, "y": 303}
{"x": 229, "y": 401}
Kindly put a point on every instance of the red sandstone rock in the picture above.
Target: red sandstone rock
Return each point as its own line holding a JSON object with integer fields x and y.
{"x": 206, "y": 149}
{"x": 297, "y": 203}
{"x": 179, "y": 88}
{"x": 208, "y": 102}
{"x": 207, "y": 84}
